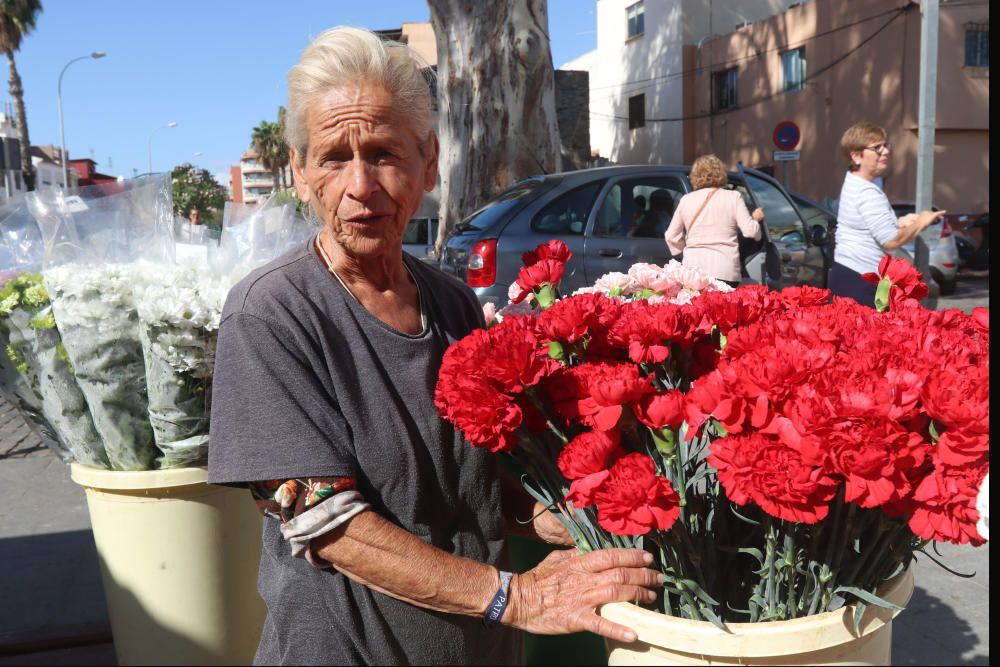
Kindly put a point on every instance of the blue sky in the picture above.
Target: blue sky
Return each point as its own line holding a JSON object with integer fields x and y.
{"x": 215, "y": 67}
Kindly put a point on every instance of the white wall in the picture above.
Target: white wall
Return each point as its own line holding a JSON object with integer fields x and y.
{"x": 651, "y": 64}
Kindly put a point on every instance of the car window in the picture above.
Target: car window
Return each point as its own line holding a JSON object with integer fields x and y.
{"x": 781, "y": 218}
{"x": 813, "y": 215}
{"x": 499, "y": 206}
{"x": 639, "y": 207}
{"x": 568, "y": 213}
{"x": 416, "y": 232}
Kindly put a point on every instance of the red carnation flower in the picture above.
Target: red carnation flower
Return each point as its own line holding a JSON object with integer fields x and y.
{"x": 759, "y": 469}
{"x": 553, "y": 249}
{"x": 632, "y": 500}
{"x": 874, "y": 459}
{"x": 541, "y": 273}
{"x": 946, "y": 505}
{"x": 590, "y": 452}
{"x": 661, "y": 411}
{"x": 804, "y": 296}
{"x": 906, "y": 281}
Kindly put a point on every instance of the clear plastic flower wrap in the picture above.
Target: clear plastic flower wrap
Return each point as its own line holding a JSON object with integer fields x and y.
{"x": 179, "y": 307}
{"x": 92, "y": 239}
{"x": 36, "y": 368}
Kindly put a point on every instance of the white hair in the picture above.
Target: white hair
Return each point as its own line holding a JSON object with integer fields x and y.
{"x": 344, "y": 56}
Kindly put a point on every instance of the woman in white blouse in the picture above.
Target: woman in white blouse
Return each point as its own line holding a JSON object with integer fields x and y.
{"x": 704, "y": 226}
{"x": 867, "y": 227}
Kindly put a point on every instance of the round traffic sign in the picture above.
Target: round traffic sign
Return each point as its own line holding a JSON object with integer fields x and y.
{"x": 786, "y": 135}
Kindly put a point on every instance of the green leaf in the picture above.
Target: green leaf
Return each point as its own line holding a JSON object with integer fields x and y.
{"x": 868, "y": 597}
{"x": 882, "y": 295}
{"x": 946, "y": 568}
{"x": 710, "y": 615}
{"x": 756, "y": 553}
{"x": 859, "y": 613}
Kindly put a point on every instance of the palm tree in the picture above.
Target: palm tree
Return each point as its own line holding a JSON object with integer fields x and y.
{"x": 268, "y": 141}
{"x": 17, "y": 19}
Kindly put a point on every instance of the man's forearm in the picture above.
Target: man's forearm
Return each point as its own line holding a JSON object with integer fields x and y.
{"x": 379, "y": 554}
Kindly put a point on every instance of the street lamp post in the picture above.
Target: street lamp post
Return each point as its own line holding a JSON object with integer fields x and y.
{"x": 150, "y": 147}
{"x": 62, "y": 132}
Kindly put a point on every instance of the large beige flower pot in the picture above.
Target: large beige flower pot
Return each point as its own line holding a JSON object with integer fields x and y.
{"x": 179, "y": 560}
{"x": 822, "y": 639}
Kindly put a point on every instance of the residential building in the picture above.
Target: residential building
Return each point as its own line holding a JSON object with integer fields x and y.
{"x": 827, "y": 64}
{"x": 256, "y": 181}
{"x": 11, "y": 175}
{"x": 87, "y": 169}
{"x": 418, "y": 36}
{"x": 48, "y": 163}
{"x": 636, "y": 71}
{"x": 236, "y": 185}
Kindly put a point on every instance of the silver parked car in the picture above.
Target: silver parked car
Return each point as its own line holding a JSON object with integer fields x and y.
{"x": 940, "y": 238}
{"x": 613, "y": 217}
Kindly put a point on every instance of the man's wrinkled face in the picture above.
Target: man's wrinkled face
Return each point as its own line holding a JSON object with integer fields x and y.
{"x": 365, "y": 170}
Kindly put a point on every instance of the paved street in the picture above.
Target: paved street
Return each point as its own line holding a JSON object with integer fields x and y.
{"x": 52, "y": 609}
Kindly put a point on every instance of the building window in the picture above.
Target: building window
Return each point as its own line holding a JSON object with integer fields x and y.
{"x": 977, "y": 45}
{"x": 636, "y": 17}
{"x": 637, "y": 111}
{"x": 793, "y": 64}
{"x": 724, "y": 89}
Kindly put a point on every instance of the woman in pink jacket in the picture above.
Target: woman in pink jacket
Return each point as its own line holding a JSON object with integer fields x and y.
{"x": 705, "y": 223}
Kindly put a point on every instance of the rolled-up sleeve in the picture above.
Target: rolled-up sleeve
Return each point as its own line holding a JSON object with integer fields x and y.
{"x": 272, "y": 418}
{"x": 877, "y": 213}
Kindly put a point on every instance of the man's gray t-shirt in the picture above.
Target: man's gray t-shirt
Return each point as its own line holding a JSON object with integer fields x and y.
{"x": 308, "y": 383}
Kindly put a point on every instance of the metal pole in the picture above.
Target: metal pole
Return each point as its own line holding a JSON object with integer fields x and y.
{"x": 926, "y": 122}
{"x": 62, "y": 132}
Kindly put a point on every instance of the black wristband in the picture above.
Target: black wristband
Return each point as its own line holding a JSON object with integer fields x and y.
{"x": 496, "y": 608}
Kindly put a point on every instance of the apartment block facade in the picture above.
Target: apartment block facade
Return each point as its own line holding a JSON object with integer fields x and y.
{"x": 674, "y": 79}
{"x": 827, "y": 64}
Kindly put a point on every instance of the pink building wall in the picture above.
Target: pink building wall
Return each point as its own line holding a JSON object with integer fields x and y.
{"x": 863, "y": 62}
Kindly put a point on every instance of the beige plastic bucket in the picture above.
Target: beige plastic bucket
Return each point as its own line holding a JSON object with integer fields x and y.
{"x": 821, "y": 639}
{"x": 179, "y": 560}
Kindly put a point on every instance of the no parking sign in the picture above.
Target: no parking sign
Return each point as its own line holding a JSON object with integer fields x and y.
{"x": 786, "y": 135}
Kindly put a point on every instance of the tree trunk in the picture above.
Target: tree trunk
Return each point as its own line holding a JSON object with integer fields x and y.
{"x": 17, "y": 94}
{"x": 275, "y": 179}
{"x": 496, "y": 91}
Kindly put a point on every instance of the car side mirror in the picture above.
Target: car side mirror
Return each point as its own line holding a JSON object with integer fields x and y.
{"x": 818, "y": 235}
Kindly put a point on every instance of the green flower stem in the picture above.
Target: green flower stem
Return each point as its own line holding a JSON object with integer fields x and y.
{"x": 678, "y": 583}
{"x": 791, "y": 561}
{"x": 769, "y": 587}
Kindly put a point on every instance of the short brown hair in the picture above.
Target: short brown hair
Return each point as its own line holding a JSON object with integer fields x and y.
{"x": 857, "y": 137}
{"x": 708, "y": 172}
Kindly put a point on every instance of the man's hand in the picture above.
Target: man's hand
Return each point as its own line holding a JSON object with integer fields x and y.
{"x": 908, "y": 219}
{"x": 758, "y": 214}
{"x": 561, "y": 595}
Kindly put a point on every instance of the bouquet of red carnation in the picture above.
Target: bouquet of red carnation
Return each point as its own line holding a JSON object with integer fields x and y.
{"x": 780, "y": 454}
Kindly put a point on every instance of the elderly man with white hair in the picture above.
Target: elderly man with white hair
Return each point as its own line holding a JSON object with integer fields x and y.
{"x": 385, "y": 535}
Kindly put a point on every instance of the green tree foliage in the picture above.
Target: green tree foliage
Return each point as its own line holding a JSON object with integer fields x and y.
{"x": 196, "y": 190}
{"x": 17, "y": 19}
{"x": 268, "y": 141}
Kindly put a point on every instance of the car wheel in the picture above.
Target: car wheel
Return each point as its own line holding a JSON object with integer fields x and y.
{"x": 947, "y": 287}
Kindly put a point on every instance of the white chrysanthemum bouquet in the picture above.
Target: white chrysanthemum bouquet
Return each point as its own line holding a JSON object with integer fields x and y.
{"x": 135, "y": 316}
